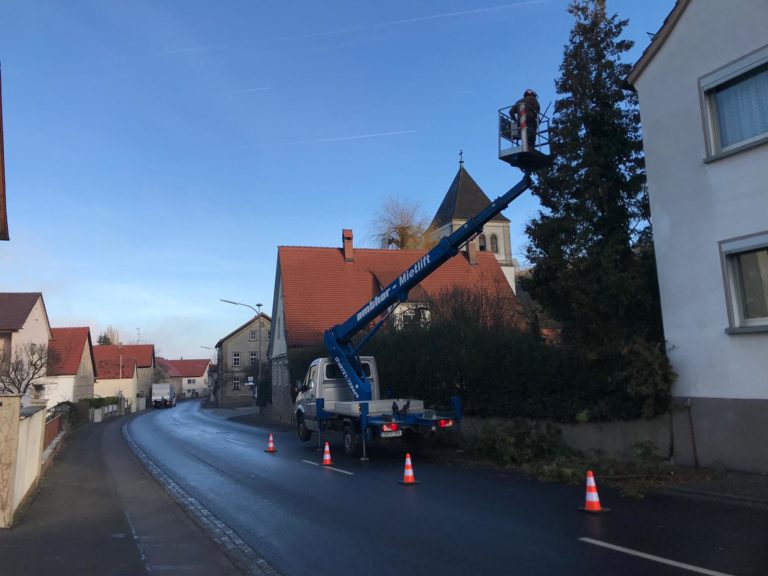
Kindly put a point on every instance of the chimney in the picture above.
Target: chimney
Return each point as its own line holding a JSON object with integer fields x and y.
{"x": 471, "y": 251}
{"x": 346, "y": 239}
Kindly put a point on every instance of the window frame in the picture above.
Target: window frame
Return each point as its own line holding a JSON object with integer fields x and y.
{"x": 253, "y": 335}
{"x": 253, "y": 358}
{"x": 708, "y": 85}
{"x": 236, "y": 384}
{"x": 235, "y": 359}
{"x": 729, "y": 251}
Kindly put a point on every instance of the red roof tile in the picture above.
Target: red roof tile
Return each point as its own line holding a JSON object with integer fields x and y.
{"x": 320, "y": 289}
{"x": 108, "y": 368}
{"x": 142, "y": 354}
{"x": 68, "y": 345}
{"x": 193, "y": 368}
{"x": 15, "y": 308}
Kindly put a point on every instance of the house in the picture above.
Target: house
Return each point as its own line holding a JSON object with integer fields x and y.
{"x": 242, "y": 357}
{"x": 142, "y": 354}
{"x": 703, "y": 93}
{"x": 317, "y": 288}
{"x": 167, "y": 372}
{"x": 71, "y": 377}
{"x": 189, "y": 377}
{"x": 463, "y": 201}
{"x": 115, "y": 377}
{"x": 23, "y": 324}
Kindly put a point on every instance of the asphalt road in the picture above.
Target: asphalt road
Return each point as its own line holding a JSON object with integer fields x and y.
{"x": 356, "y": 517}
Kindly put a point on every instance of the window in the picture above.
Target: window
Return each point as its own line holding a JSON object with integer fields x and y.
{"x": 253, "y": 336}
{"x": 481, "y": 243}
{"x": 254, "y": 358}
{"x": 235, "y": 358}
{"x": 745, "y": 272}
{"x": 494, "y": 244}
{"x": 333, "y": 372}
{"x": 736, "y": 104}
{"x": 191, "y": 380}
{"x": 236, "y": 384}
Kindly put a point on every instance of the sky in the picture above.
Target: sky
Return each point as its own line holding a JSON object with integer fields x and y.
{"x": 157, "y": 152}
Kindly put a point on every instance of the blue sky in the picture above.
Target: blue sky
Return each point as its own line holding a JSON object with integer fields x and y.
{"x": 158, "y": 151}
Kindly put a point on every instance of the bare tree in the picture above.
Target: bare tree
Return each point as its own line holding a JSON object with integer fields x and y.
{"x": 109, "y": 336}
{"x": 399, "y": 225}
{"x": 25, "y": 367}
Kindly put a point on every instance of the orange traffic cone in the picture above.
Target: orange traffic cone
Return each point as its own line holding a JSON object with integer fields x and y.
{"x": 271, "y": 446}
{"x": 327, "y": 455}
{"x": 593, "y": 502}
{"x": 408, "y": 477}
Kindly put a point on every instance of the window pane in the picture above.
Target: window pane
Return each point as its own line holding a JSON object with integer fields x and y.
{"x": 753, "y": 281}
{"x": 742, "y": 107}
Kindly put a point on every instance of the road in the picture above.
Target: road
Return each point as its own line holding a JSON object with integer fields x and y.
{"x": 357, "y": 518}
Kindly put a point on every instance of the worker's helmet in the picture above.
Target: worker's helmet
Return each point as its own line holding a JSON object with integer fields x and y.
{"x": 530, "y": 92}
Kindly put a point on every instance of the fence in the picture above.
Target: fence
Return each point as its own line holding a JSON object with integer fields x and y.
{"x": 52, "y": 429}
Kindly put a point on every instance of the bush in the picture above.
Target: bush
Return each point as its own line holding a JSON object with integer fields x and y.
{"x": 501, "y": 370}
{"x": 100, "y": 402}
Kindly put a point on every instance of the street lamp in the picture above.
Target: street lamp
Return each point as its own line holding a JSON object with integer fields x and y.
{"x": 258, "y": 315}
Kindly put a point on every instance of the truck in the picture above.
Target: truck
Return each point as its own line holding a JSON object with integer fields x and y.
{"x": 342, "y": 391}
{"x": 163, "y": 395}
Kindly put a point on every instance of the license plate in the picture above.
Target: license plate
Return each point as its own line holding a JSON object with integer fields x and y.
{"x": 391, "y": 434}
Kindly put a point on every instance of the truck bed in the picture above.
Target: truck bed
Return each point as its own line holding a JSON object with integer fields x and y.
{"x": 375, "y": 407}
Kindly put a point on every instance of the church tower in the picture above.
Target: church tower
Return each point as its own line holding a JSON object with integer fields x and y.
{"x": 464, "y": 200}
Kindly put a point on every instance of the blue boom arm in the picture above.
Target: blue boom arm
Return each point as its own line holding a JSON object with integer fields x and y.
{"x": 338, "y": 339}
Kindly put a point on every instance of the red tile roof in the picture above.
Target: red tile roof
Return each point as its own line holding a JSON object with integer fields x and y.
{"x": 193, "y": 368}
{"x": 142, "y": 354}
{"x": 108, "y": 368}
{"x": 170, "y": 369}
{"x": 321, "y": 290}
{"x": 15, "y": 308}
{"x": 68, "y": 345}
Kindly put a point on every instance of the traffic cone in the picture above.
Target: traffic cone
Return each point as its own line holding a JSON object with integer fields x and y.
{"x": 271, "y": 446}
{"x": 408, "y": 477}
{"x": 327, "y": 455}
{"x": 593, "y": 502}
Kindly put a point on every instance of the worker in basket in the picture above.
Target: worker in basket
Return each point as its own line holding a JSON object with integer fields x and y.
{"x": 526, "y": 111}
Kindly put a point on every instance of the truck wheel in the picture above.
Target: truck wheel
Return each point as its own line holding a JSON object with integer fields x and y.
{"x": 351, "y": 441}
{"x": 305, "y": 434}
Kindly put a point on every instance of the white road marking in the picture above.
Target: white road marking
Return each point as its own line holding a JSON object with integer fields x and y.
{"x": 236, "y": 441}
{"x": 654, "y": 558}
{"x": 329, "y": 468}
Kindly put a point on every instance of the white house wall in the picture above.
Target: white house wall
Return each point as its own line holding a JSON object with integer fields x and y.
{"x": 36, "y": 329}
{"x": 695, "y": 205}
{"x": 722, "y": 387}
{"x": 116, "y": 386}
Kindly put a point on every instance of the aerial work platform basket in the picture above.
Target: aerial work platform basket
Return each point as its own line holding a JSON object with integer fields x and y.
{"x": 515, "y": 144}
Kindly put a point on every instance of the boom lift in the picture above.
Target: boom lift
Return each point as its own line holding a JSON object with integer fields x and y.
{"x": 338, "y": 339}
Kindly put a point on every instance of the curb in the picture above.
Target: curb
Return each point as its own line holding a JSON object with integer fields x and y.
{"x": 720, "y": 497}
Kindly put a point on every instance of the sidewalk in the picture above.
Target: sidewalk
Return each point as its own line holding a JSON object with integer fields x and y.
{"x": 723, "y": 485}
{"x": 98, "y": 512}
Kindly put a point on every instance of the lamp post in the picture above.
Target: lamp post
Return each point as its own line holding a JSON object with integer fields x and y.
{"x": 258, "y": 316}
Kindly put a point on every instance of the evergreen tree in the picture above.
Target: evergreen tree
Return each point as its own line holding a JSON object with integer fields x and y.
{"x": 591, "y": 246}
